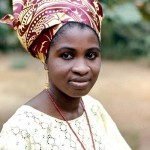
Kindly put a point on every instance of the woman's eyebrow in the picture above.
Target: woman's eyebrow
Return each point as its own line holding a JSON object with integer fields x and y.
{"x": 73, "y": 49}
{"x": 94, "y": 48}
{"x": 65, "y": 48}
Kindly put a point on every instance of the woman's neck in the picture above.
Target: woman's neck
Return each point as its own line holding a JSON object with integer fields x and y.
{"x": 70, "y": 107}
{"x": 64, "y": 102}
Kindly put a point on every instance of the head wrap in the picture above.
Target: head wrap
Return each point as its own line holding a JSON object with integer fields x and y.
{"x": 36, "y": 21}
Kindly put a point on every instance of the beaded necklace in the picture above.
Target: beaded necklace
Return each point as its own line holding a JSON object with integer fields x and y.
{"x": 64, "y": 118}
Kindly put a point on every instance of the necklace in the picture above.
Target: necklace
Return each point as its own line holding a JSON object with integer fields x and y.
{"x": 61, "y": 114}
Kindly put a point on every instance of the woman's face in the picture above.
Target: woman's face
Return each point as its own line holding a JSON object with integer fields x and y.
{"x": 74, "y": 62}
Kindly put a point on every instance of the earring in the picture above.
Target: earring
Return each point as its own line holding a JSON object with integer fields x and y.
{"x": 46, "y": 82}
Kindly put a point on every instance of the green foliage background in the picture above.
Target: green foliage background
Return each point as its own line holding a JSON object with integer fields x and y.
{"x": 8, "y": 37}
{"x": 125, "y": 29}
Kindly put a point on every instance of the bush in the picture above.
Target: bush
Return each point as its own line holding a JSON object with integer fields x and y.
{"x": 125, "y": 34}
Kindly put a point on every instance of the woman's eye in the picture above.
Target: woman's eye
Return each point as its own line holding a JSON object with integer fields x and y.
{"x": 67, "y": 56}
{"x": 91, "y": 55}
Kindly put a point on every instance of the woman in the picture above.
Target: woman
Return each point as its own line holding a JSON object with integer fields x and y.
{"x": 65, "y": 36}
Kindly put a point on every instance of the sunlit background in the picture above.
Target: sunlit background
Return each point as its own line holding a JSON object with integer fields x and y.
{"x": 123, "y": 86}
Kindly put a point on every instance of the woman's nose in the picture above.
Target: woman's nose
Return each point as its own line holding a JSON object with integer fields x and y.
{"x": 80, "y": 67}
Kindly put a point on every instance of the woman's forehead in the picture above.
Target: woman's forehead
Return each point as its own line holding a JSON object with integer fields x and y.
{"x": 76, "y": 38}
{"x": 75, "y": 32}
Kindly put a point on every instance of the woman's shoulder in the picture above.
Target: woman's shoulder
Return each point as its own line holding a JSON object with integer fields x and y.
{"x": 23, "y": 114}
{"x": 25, "y": 124}
{"x": 94, "y": 106}
{"x": 24, "y": 117}
{"x": 89, "y": 101}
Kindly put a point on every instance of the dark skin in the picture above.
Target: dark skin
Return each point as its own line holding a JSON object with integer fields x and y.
{"x": 73, "y": 64}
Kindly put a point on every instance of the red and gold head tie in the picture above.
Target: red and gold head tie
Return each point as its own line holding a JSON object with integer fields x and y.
{"x": 37, "y": 21}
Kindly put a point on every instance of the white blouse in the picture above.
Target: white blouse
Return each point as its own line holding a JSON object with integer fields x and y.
{"x": 30, "y": 129}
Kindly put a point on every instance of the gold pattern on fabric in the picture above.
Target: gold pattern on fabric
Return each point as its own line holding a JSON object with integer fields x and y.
{"x": 32, "y": 17}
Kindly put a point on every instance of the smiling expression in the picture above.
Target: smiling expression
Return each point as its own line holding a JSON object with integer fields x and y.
{"x": 74, "y": 62}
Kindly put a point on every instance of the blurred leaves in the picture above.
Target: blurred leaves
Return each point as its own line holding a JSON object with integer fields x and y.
{"x": 8, "y": 38}
{"x": 124, "y": 13}
{"x": 125, "y": 31}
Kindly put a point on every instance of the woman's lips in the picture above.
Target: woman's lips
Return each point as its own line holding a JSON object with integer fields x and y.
{"x": 79, "y": 83}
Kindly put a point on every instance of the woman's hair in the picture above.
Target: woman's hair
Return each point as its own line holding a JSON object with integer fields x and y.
{"x": 67, "y": 26}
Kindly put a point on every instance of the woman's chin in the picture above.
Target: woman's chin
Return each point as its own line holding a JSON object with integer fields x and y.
{"x": 78, "y": 93}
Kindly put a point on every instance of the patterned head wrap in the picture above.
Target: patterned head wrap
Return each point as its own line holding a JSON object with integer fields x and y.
{"x": 36, "y": 21}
